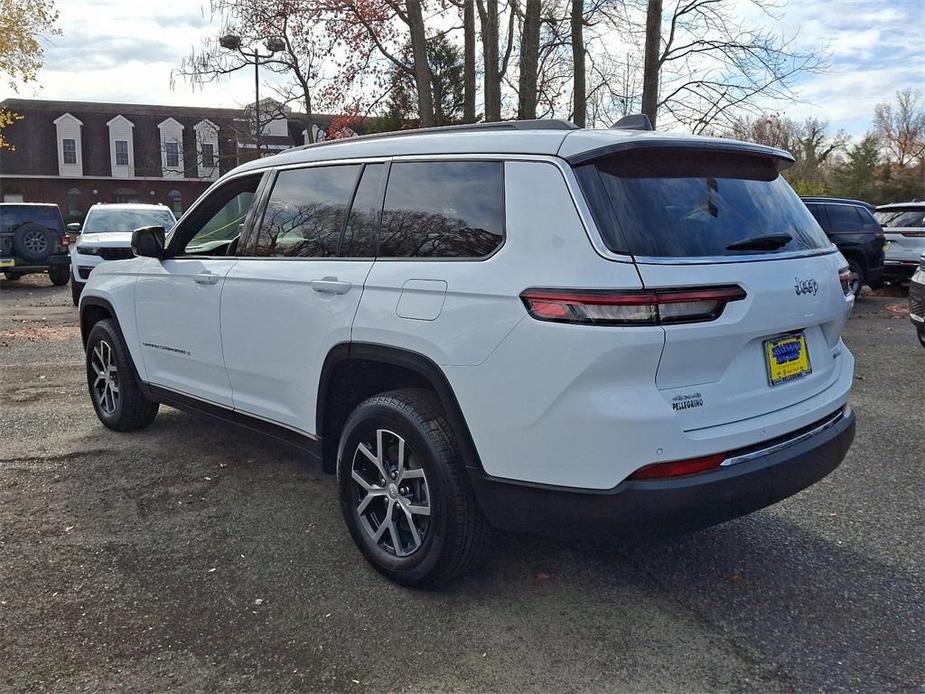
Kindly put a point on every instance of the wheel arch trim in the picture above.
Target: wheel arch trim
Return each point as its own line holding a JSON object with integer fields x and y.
{"x": 413, "y": 361}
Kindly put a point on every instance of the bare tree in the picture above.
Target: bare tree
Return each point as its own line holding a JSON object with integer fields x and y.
{"x": 652, "y": 67}
{"x": 307, "y": 46}
{"x": 713, "y": 68}
{"x": 422, "y": 77}
{"x": 579, "y": 85}
{"x": 901, "y": 127}
{"x": 469, "y": 85}
{"x": 529, "y": 61}
{"x": 495, "y": 64}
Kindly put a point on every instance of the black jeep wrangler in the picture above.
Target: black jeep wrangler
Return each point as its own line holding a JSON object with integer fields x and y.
{"x": 33, "y": 239}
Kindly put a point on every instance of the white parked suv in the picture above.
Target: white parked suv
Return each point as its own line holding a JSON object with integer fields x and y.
{"x": 904, "y": 228}
{"x": 106, "y": 234}
{"x": 525, "y": 325}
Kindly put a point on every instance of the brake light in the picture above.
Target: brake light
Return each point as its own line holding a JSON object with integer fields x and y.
{"x": 844, "y": 276}
{"x": 644, "y": 307}
{"x": 678, "y": 468}
{"x": 65, "y": 241}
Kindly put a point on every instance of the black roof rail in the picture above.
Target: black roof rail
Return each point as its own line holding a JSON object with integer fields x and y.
{"x": 633, "y": 121}
{"x": 536, "y": 124}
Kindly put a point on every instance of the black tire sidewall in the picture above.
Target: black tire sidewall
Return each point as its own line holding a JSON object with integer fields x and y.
{"x": 361, "y": 426}
{"x": 59, "y": 274}
{"x": 857, "y": 269}
{"x": 76, "y": 289}
{"x": 104, "y": 330}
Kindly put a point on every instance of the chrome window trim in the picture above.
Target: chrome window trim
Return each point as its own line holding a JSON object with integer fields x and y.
{"x": 752, "y": 455}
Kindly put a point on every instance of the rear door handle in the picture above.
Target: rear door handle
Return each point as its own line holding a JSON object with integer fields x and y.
{"x": 330, "y": 285}
{"x": 206, "y": 277}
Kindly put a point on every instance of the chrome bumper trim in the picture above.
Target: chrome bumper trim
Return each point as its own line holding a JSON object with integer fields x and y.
{"x": 752, "y": 455}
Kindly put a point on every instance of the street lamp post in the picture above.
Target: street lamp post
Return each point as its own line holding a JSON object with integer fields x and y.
{"x": 232, "y": 42}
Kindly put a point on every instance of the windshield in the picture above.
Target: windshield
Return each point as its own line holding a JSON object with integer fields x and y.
{"x": 100, "y": 220}
{"x": 898, "y": 217}
{"x": 682, "y": 203}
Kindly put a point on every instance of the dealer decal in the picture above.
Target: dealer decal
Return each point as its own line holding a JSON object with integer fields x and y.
{"x": 686, "y": 401}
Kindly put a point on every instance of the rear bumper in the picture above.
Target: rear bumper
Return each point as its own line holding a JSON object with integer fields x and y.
{"x": 665, "y": 507}
{"x": 899, "y": 269}
{"x": 21, "y": 265}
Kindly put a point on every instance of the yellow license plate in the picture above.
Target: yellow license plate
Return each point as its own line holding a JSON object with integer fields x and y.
{"x": 787, "y": 358}
{"x": 7, "y": 262}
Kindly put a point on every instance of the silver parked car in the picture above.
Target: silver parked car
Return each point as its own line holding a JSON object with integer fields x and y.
{"x": 904, "y": 227}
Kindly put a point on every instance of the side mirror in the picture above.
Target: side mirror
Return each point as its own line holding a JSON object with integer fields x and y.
{"x": 148, "y": 242}
{"x": 74, "y": 227}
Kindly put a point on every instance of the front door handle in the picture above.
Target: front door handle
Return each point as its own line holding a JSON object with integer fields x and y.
{"x": 330, "y": 285}
{"x": 206, "y": 277}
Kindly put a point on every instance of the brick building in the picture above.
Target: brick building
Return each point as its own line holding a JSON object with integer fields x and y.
{"x": 76, "y": 153}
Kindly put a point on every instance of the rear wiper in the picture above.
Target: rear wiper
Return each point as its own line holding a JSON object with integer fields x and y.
{"x": 768, "y": 242}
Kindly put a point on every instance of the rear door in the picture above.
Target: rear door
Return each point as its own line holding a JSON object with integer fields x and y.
{"x": 295, "y": 289}
{"x": 717, "y": 220}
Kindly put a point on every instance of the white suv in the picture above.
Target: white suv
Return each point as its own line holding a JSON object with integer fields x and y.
{"x": 524, "y": 325}
{"x": 904, "y": 228}
{"x": 106, "y": 234}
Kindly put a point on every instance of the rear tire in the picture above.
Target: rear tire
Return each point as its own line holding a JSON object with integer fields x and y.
{"x": 114, "y": 390}
{"x": 11, "y": 276}
{"x": 857, "y": 276}
{"x": 921, "y": 334}
{"x": 59, "y": 274}
{"x": 398, "y": 465}
{"x": 76, "y": 289}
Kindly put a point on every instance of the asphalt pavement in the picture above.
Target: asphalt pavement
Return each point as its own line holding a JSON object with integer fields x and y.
{"x": 195, "y": 556}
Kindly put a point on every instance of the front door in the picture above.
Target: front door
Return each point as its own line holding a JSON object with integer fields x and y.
{"x": 177, "y": 300}
{"x": 295, "y": 289}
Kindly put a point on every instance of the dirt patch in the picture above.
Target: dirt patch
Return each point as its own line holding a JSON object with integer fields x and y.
{"x": 39, "y": 333}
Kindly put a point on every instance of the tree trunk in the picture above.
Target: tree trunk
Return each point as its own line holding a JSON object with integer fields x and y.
{"x": 469, "y": 61}
{"x": 422, "y": 77}
{"x": 650, "y": 72}
{"x": 529, "y": 61}
{"x": 488, "y": 15}
{"x": 579, "y": 112}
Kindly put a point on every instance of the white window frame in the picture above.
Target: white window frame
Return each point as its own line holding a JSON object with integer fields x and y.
{"x": 207, "y": 133}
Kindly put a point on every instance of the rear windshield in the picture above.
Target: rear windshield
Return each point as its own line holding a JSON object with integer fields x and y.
{"x": 101, "y": 220}
{"x": 11, "y": 218}
{"x": 898, "y": 217}
{"x": 681, "y": 203}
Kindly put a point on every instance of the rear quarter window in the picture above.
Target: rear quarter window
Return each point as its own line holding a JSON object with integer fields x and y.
{"x": 451, "y": 209}
{"x": 684, "y": 203}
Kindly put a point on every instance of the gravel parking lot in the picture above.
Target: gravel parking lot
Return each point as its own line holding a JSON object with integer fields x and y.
{"x": 194, "y": 556}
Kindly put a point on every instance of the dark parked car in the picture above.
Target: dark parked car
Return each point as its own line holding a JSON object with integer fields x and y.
{"x": 917, "y": 299}
{"x": 33, "y": 239}
{"x": 851, "y": 226}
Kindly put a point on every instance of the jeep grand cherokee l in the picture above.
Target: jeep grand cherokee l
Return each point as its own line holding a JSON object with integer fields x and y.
{"x": 525, "y": 325}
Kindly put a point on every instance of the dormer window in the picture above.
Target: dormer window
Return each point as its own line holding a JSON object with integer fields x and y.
{"x": 121, "y": 152}
{"x": 172, "y": 154}
{"x": 70, "y": 157}
{"x": 207, "y": 149}
{"x": 208, "y": 155}
{"x": 122, "y": 147}
{"x": 69, "y": 150}
{"x": 172, "y": 165}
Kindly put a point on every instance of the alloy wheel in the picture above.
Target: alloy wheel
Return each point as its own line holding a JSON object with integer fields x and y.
{"x": 35, "y": 242}
{"x": 106, "y": 385}
{"x": 391, "y": 494}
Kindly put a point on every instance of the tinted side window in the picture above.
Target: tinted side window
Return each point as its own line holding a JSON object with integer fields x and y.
{"x": 818, "y": 211}
{"x": 867, "y": 219}
{"x": 217, "y": 222}
{"x": 306, "y": 212}
{"x": 452, "y": 209}
{"x": 843, "y": 218}
{"x": 363, "y": 223}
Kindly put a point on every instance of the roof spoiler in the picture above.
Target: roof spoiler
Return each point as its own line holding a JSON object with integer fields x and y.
{"x": 634, "y": 121}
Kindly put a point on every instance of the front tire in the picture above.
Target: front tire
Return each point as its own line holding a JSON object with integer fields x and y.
{"x": 59, "y": 274}
{"x": 114, "y": 390}
{"x": 404, "y": 492}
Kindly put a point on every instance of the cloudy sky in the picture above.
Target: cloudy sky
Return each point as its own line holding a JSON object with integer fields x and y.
{"x": 124, "y": 51}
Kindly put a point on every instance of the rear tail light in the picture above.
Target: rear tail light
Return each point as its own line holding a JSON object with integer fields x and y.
{"x": 65, "y": 241}
{"x": 678, "y": 468}
{"x": 844, "y": 276}
{"x": 644, "y": 307}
